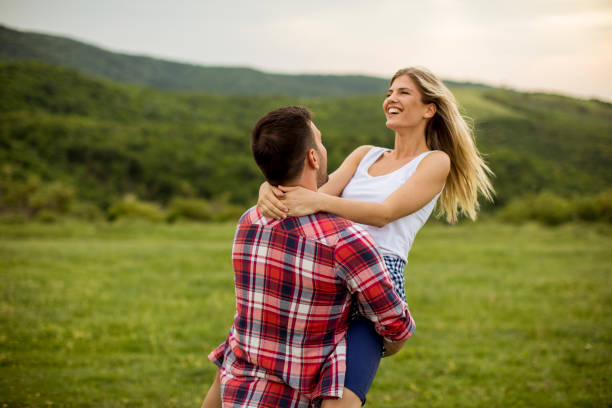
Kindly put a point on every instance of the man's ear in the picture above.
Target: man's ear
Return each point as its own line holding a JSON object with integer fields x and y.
{"x": 312, "y": 159}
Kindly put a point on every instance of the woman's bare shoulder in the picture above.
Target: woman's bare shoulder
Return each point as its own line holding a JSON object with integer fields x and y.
{"x": 360, "y": 152}
{"x": 438, "y": 160}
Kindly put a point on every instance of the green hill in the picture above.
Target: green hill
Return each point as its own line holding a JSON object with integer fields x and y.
{"x": 104, "y": 139}
{"x": 168, "y": 75}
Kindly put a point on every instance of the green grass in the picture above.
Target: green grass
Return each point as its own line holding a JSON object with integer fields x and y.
{"x": 124, "y": 315}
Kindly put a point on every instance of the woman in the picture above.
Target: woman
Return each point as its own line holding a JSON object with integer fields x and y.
{"x": 393, "y": 192}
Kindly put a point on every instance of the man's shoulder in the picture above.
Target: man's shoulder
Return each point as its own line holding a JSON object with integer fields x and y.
{"x": 253, "y": 216}
{"x": 249, "y": 216}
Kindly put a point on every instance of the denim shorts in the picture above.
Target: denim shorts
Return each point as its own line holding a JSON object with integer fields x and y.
{"x": 364, "y": 344}
{"x": 363, "y": 353}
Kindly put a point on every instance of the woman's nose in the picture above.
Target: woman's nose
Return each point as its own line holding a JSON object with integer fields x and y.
{"x": 391, "y": 97}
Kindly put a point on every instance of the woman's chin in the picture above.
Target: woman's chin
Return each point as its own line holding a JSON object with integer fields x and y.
{"x": 391, "y": 124}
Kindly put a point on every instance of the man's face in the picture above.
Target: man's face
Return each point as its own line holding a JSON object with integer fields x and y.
{"x": 322, "y": 176}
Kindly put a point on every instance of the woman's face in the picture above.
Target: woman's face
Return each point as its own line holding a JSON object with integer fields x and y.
{"x": 403, "y": 107}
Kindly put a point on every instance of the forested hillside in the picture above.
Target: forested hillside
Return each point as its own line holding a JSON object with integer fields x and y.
{"x": 168, "y": 75}
{"x": 102, "y": 140}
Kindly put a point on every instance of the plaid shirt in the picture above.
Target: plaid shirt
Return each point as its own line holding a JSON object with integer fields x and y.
{"x": 295, "y": 281}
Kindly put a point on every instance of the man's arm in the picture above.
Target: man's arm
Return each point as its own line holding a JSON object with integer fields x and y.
{"x": 363, "y": 270}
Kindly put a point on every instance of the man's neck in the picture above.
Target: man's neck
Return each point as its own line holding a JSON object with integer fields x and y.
{"x": 306, "y": 181}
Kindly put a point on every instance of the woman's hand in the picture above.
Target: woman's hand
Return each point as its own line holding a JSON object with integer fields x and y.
{"x": 269, "y": 202}
{"x": 301, "y": 201}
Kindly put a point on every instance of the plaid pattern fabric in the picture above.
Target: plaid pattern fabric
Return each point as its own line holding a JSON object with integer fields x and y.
{"x": 256, "y": 392}
{"x": 396, "y": 266}
{"x": 295, "y": 280}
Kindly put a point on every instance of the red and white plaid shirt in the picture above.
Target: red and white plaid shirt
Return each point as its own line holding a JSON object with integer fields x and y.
{"x": 295, "y": 281}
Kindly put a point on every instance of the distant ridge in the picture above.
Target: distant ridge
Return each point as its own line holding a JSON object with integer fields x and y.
{"x": 106, "y": 139}
{"x": 168, "y": 75}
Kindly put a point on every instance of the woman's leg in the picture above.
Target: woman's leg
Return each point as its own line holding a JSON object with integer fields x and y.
{"x": 213, "y": 398}
{"x": 349, "y": 400}
{"x": 363, "y": 354}
{"x": 364, "y": 348}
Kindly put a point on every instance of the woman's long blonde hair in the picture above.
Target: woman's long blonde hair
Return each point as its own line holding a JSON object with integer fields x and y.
{"x": 448, "y": 131}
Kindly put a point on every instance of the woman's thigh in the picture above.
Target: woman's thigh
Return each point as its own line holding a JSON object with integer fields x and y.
{"x": 363, "y": 353}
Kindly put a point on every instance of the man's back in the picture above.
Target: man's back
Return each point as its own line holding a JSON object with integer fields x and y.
{"x": 295, "y": 280}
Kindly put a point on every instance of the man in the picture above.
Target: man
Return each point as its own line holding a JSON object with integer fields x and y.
{"x": 295, "y": 282}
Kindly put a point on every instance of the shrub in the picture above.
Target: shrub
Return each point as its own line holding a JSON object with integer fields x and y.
{"x": 132, "y": 208}
{"x": 546, "y": 208}
{"x": 552, "y": 209}
{"x": 223, "y": 210}
{"x": 87, "y": 211}
{"x": 228, "y": 212}
{"x": 28, "y": 195}
{"x": 516, "y": 211}
{"x": 15, "y": 191}
{"x": 13, "y": 218}
{"x": 190, "y": 209}
{"x": 53, "y": 197}
{"x": 46, "y": 216}
{"x": 595, "y": 208}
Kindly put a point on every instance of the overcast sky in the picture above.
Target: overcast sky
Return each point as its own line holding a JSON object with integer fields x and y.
{"x": 564, "y": 46}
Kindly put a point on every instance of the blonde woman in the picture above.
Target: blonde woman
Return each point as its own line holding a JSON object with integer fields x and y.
{"x": 393, "y": 193}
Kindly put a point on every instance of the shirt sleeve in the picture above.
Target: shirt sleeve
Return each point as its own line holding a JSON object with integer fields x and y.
{"x": 359, "y": 264}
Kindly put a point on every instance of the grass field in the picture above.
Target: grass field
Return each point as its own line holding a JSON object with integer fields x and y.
{"x": 124, "y": 316}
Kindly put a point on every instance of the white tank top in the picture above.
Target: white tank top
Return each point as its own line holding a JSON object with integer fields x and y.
{"x": 396, "y": 237}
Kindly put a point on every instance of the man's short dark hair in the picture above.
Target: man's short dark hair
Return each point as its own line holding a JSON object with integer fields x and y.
{"x": 280, "y": 141}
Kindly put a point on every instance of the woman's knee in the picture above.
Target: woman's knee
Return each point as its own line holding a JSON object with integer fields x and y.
{"x": 349, "y": 400}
